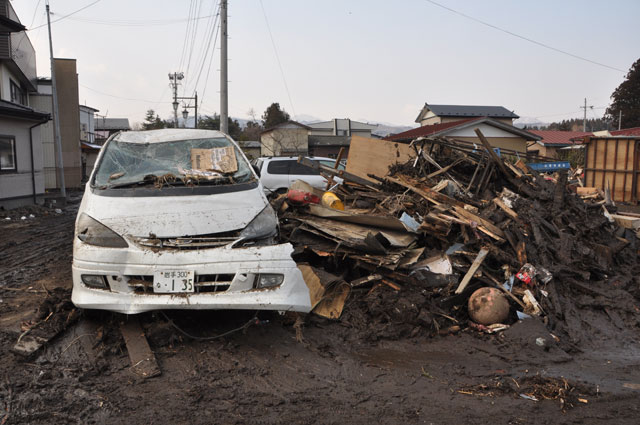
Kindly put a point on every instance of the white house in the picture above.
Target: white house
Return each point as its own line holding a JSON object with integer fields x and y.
{"x": 21, "y": 165}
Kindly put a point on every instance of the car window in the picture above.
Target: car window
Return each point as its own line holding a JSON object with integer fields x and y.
{"x": 302, "y": 170}
{"x": 332, "y": 164}
{"x": 279, "y": 167}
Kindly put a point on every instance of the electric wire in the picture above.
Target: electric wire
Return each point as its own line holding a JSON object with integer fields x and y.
{"x": 193, "y": 41}
{"x": 206, "y": 81}
{"x": 273, "y": 43}
{"x": 207, "y": 49}
{"x": 65, "y": 16}
{"x": 184, "y": 43}
{"x": 253, "y": 321}
{"x": 204, "y": 51}
{"x": 121, "y": 97}
{"x": 546, "y": 46}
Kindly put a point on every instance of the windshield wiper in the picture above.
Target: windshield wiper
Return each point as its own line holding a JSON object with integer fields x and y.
{"x": 148, "y": 179}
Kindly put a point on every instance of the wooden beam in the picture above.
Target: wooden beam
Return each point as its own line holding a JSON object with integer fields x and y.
{"x": 472, "y": 270}
{"x": 505, "y": 208}
{"x": 143, "y": 361}
{"x": 492, "y": 153}
{"x": 428, "y": 194}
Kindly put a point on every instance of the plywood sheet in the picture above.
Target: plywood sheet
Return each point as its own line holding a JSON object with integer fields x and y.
{"x": 610, "y": 163}
{"x": 374, "y": 156}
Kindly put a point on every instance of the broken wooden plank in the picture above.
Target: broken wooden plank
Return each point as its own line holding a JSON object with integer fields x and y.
{"x": 427, "y": 193}
{"x": 490, "y": 228}
{"x": 143, "y": 361}
{"x": 500, "y": 203}
{"x": 364, "y": 280}
{"x": 335, "y": 166}
{"x": 492, "y": 154}
{"x": 340, "y": 173}
{"x": 472, "y": 270}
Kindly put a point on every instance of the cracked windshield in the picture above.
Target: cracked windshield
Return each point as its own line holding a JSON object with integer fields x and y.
{"x": 184, "y": 162}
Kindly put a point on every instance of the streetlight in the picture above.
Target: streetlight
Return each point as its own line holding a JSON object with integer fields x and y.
{"x": 185, "y": 114}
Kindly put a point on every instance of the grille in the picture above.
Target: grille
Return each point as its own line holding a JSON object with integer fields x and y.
{"x": 213, "y": 240}
{"x": 205, "y": 283}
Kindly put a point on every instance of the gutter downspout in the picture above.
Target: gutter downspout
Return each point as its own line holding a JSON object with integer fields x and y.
{"x": 33, "y": 171}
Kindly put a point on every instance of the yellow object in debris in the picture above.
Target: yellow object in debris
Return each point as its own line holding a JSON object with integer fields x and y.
{"x": 331, "y": 200}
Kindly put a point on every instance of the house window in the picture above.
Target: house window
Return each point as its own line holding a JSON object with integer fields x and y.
{"x": 17, "y": 94}
{"x": 7, "y": 154}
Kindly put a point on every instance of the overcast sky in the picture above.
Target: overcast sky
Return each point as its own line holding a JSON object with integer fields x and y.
{"x": 362, "y": 59}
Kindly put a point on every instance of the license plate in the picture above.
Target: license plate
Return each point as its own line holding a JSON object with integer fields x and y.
{"x": 172, "y": 281}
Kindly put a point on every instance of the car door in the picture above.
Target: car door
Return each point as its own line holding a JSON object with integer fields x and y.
{"x": 276, "y": 175}
{"x": 308, "y": 174}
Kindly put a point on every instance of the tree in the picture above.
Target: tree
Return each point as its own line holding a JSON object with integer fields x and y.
{"x": 273, "y": 116}
{"x": 152, "y": 121}
{"x": 251, "y": 131}
{"x": 209, "y": 122}
{"x": 626, "y": 98}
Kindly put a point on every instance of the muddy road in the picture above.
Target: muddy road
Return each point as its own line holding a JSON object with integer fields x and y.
{"x": 281, "y": 369}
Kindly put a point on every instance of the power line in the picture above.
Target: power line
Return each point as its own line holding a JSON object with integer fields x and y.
{"x": 206, "y": 81}
{"x": 213, "y": 33}
{"x": 66, "y": 16}
{"x": 273, "y": 43}
{"x": 184, "y": 43}
{"x": 121, "y": 97}
{"x": 523, "y": 37}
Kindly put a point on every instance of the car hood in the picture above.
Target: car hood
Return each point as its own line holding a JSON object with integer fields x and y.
{"x": 175, "y": 216}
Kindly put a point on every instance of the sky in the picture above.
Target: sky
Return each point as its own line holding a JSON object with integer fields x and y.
{"x": 371, "y": 60}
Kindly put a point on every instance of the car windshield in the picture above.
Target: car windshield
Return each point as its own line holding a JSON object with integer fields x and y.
{"x": 200, "y": 161}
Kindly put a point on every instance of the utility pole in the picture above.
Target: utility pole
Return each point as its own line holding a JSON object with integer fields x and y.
{"x": 56, "y": 118}
{"x": 584, "y": 120}
{"x": 620, "y": 120}
{"x": 224, "y": 91}
{"x": 174, "y": 78}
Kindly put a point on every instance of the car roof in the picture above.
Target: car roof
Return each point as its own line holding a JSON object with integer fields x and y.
{"x": 167, "y": 135}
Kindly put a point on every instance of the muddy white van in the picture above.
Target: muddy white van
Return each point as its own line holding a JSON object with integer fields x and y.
{"x": 177, "y": 219}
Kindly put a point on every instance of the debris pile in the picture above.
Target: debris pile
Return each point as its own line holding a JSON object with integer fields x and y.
{"x": 459, "y": 236}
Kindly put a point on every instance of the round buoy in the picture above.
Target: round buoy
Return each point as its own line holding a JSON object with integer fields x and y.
{"x": 488, "y": 306}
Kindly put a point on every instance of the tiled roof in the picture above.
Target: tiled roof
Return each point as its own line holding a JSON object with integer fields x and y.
{"x": 112, "y": 124}
{"x": 634, "y": 131}
{"x": 427, "y": 130}
{"x": 472, "y": 111}
{"x": 558, "y": 137}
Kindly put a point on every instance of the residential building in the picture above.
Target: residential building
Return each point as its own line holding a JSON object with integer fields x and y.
{"x": 498, "y": 133}
{"x": 88, "y": 148}
{"x": 21, "y": 167}
{"x": 87, "y": 123}
{"x": 69, "y": 120}
{"x": 441, "y": 114}
{"x": 286, "y": 139}
{"x": 326, "y": 138}
{"x": 251, "y": 148}
{"x": 551, "y": 141}
{"x": 105, "y": 127}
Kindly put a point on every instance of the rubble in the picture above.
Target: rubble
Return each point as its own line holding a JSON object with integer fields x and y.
{"x": 490, "y": 218}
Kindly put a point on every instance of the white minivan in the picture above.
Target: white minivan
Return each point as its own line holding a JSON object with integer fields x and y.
{"x": 160, "y": 227}
{"x": 278, "y": 173}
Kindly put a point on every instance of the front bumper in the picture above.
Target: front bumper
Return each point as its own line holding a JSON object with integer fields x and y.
{"x": 121, "y": 267}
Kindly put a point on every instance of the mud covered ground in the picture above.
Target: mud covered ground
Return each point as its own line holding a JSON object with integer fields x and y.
{"x": 276, "y": 371}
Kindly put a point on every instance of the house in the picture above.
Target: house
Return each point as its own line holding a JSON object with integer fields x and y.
{"x": 251, "y": 148}
{"x": 553, "y": 140}
{"x": 441, "y": 114}
{"x": 105, "y": 127}
{"x": 327, "y": 137}
{"x": 69, "y": 120}
{"x": 286, "y": 139}
{"x": 21, "y": 167}
{"x": 498, "y": 133}
{"x": 88, "y": 147}
{"x": 634, "y": 131}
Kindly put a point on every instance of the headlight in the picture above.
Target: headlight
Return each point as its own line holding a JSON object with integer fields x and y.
{"x": 265, "y": 225}
{"x": 93, "y": 232}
